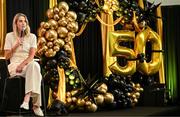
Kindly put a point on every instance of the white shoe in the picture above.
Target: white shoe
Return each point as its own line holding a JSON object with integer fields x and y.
{"x": 38, "y": 111}
{"x": 25, "y": 105}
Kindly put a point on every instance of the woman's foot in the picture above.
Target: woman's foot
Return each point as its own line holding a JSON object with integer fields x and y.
{"x": 38, "y": 111}
{"x": 25, "y": 105}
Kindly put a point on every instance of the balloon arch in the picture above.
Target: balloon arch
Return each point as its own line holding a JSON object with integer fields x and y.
{"x": 67, "y": 20}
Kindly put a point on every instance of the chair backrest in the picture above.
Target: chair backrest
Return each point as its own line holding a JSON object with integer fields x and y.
{"x": 4, "y": 73}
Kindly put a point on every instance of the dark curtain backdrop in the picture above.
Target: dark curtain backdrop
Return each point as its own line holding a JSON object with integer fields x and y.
{"x": 171, "y": 33}
{"x": 34, "y": 9}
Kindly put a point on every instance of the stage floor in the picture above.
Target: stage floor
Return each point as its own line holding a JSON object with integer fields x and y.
{"x": 136, "y": 111}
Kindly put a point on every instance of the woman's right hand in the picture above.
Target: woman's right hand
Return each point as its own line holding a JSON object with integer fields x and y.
{"x": 18, "y": 42}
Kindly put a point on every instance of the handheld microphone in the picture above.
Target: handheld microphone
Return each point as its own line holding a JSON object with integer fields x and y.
{"x": 22, "y": 31}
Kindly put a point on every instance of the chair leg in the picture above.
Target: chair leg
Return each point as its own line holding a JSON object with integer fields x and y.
{"x": 44, "y": 97}
{"x": 3, "y": 95}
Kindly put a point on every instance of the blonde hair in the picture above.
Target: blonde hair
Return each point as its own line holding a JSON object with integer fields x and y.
{"x": 15, "y": 29}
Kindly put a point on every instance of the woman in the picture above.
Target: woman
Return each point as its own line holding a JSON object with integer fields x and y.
{"x": 20, "y": 46}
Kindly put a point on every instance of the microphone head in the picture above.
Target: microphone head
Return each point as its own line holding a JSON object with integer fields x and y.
{"x": 23, "y": 28}
{"x": 22, "y": 32}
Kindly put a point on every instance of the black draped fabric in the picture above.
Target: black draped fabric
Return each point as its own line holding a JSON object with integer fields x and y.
{"x": 171, "y": 33}
{"x": 34, "y": 9}
{"x": 88, "y": 50}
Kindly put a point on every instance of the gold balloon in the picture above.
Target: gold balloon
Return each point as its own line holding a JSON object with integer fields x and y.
{"x": 51, "y": 35}
{"x": 108, "y": 98}
{"x": 102, "y": 88}
{"x": 141, "y": 89}
{"x": 42, "y": 24}
{"x": 45, "y": 48}
{"x": 53, "y": 24}
{"x": 80, "y": 102}
{"x": 88, "y": 103}
{"x": 61, "y": 42}
{"x": 69, "y": 43}
{"x": 137, "y": 94}
{"x": 120, "y": 51}
{"x": 68, "y": 94}
{"x": 62, "y": 32}
{"x": 41, "y": 40}
{"x": 67, "y": 47}
{"x": 56, "y": 42}
{"x": 50, "y": 53}
{"x": 63, "y": 6}
{"x": 69, "y": 100}
{"x": 71, "y": 35}
{"x": 99, "y": 99}
{"x": 73, "y": 92}
{"x": 92, "y": 108}
{"x": 50, "y": 13}
{"x": 71, "y": 15}
{"x": 67, "y": 39}
{"x": 74, "y": 99}
{"x": 156, "y": 58}
{"x": 56, "y": 48}
{"x": 46, "y": 25}
{"x": 62, "y": 13}
{"x": 135, "y": 100}
{"x": 41, "y": 32}
{"x": 137, "y": 85}
{"x": 41, "y": 50}
{"x": 72, "y": 26}
{"x": 56, "y": 9}
{"x": 62, "y": 22}
{"x": 56, "y": 17}
{"x": 134, "y": 96}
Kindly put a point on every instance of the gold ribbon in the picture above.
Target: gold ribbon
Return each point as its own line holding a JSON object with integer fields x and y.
{"x": 2, "y": 25}
{"x": 81, "y": 30}
{"x": 160, "y": 31}
{"x": 114, "y": 23}
{"x": 52, "y": 3}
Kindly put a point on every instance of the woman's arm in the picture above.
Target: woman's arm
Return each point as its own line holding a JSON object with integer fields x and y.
{"x": 8, "y": 53}
{"x": 27, "y": 60}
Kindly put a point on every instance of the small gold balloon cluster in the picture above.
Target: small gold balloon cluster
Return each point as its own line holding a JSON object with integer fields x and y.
{"x": 103, "y": 97}
{"x": 88, "y": 103}
{"x": 58, "y": 32}
{"x": 110, "y": 6}
{"x": 74, "y": 103}
{"x": 134, "y": 96}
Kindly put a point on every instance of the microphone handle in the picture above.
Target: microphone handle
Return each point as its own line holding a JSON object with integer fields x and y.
{"x": 22, "y": 32}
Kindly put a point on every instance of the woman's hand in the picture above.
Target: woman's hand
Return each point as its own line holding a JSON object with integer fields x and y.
{"x": 19, "y": 41}
{"x": 19, "y": 68}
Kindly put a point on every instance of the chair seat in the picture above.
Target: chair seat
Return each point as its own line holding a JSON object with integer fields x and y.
{"x": 14, "y": 93}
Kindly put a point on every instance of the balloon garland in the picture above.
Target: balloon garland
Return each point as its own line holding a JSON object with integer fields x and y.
{"x": 55, "y": 50}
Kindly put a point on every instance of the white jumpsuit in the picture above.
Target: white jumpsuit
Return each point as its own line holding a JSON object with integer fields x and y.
{"x": 31, "y": 71}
